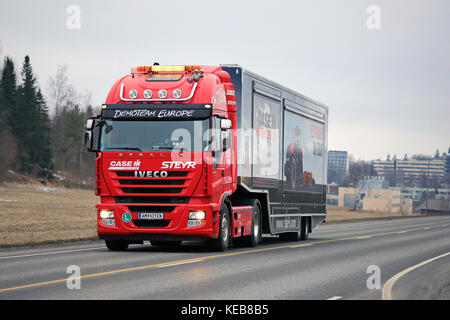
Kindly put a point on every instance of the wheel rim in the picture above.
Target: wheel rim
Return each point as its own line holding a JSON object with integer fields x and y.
{"x": 256, "y": 225}
{"x": 224, "y": 229}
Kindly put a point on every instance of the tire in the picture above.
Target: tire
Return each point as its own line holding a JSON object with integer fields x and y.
{"x": 223, "y": 241}
{"x": 254, "y": 238}
{"x": 116, "y": 245}
{"x": 171, "y": 244}
{"x": 304, "y": 234}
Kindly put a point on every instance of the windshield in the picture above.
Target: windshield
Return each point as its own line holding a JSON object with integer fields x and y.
{"x": 187, "y": 136}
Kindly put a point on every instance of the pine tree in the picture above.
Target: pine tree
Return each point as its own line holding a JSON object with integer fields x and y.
{"x": 44, "y": 156}
{"x": 8, "y": 92}
{"x": 8, "y": 102}
{"x": 33, "y": 128}
{"x": 25, "y": 116}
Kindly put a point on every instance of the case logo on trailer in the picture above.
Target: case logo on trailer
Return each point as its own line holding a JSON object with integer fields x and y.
{"x": 125, "y": 165}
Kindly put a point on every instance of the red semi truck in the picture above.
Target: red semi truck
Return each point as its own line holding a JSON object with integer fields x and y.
{"x": 213, "y": 153}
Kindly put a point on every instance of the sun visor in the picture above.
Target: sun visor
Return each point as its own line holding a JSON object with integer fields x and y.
{"x": 156, "y": 112}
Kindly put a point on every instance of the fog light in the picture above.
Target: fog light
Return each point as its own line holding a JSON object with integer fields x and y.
{"x": 106, "y": 214}
{"x": 197, "y": 215}
{"x": 194, "y": 223}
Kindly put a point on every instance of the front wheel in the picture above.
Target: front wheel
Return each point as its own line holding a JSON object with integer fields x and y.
{"x": 222, "y": 243}
{"x": 116, "y": 245}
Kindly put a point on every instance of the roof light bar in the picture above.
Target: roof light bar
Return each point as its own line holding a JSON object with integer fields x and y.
{"x": 167, "y": 68}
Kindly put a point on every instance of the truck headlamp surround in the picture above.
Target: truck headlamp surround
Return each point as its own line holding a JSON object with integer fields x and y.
{"x": 106, "y": 214}
{"x": 197, "y": 215}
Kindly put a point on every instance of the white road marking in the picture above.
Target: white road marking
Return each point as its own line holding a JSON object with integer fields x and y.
{"x": 335, "y": 298}
{"x": 386, "y": 293}
{"x": 50, "y": 253}
{"x": 178, "y": 263}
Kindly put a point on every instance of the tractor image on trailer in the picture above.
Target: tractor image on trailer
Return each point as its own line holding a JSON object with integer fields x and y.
{"x": 214, "y": 153}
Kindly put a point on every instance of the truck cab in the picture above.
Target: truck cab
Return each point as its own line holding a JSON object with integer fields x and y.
{"x": 164, "y": 143}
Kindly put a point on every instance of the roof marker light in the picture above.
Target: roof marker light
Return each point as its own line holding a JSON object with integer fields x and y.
{"x": 176, "y": 93}
{"x": 167, "y": 68}
{"x": 144, "y": 69}
{"x": 148, "y": 94}
{"x": 133, "y": 94}
{"x": 162, "y": 93}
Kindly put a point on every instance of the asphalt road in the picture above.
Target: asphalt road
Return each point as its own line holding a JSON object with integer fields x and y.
{"x": 333, "y": 263}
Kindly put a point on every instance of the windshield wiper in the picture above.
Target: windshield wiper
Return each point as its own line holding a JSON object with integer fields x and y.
{"x": 124, "y": 148}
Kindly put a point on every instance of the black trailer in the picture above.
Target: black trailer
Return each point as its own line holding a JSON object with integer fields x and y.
{"x": 290, "y": 183}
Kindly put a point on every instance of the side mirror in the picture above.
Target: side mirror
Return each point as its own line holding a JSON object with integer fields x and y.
{"x": 226, "y": 140}
{"x": 225, "y": 124}
{"x": 89, "y": 124}
{"x": 88, "y": 139}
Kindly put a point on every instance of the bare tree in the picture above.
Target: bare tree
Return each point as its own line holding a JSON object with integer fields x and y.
{"x": 60, "y": 93}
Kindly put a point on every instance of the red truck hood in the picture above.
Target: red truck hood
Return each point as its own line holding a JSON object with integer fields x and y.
{"x": 151, "y": 174}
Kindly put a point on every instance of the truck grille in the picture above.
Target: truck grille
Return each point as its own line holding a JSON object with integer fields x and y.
{"x": 151, "y": 190}
{"x": 170, "y": 173}
{"x": 152, "y": 182}
{"x": 151, "y": 208}
{"x": 132, "y": 199}
{"x": 174, "y": 183}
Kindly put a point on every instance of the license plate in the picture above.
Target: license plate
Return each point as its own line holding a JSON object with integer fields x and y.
{"x": 151, "y": 216}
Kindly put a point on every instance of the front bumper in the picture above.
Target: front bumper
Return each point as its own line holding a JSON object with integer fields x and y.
{"x": 174, "y": 226}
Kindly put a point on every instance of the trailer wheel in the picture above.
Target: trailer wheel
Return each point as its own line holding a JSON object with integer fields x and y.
{"x": 305, "y": 229}
{"x": 116, "y": 245}
{"x": 222, "y": 243}
{"x": 254, "y": 238}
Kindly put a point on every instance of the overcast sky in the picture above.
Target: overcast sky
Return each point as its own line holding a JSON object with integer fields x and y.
{"x": 388, "y": 89}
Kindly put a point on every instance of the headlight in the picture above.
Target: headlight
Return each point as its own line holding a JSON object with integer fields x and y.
{"x": 197, "y": 215}
{"x": 106, "y": 214}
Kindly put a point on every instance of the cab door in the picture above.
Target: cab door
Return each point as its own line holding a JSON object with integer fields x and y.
{"x": 221, "y": 157}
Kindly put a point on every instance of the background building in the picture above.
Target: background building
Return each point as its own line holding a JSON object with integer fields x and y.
{"x": 411, "y": 172}
{"x": 338, "y": 166}
{"x": 447, "y": 163}
{"x": 380, "y": 200}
